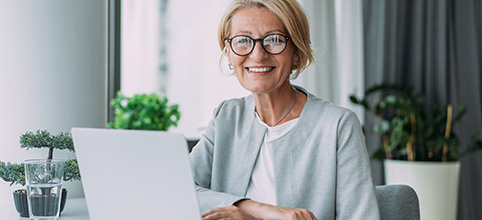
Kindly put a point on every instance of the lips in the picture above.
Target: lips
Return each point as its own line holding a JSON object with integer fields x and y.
{"x": 259, "y": 69}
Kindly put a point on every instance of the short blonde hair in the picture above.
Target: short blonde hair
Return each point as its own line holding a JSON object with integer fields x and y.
{"x": 293, "y": 18}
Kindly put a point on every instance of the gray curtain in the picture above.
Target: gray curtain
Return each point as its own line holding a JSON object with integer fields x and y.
{"x": 436, "y": 47}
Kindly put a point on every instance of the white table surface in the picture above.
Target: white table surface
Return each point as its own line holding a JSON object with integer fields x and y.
{"x": 75, "y": 209}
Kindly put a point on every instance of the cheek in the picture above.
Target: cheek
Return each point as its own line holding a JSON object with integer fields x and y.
{"x": 235, "y": 60}
{"x": 232, "y": 58}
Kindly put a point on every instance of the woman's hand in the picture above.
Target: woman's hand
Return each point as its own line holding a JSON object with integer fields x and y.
{"x": 283, "y": 213}
{"x": 228, "y": 212}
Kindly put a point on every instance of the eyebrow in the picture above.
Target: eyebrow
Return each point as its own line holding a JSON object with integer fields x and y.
{"x": 266, "y": 33}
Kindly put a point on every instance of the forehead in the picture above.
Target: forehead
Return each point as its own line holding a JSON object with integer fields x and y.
{"x": 256, "y": 21}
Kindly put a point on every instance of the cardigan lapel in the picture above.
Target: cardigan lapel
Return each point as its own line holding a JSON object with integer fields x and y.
{"x": 248, "y": 146}
{"x": 286, "y": 177}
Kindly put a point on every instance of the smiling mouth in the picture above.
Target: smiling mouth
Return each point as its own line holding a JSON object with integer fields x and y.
{"x": 260, "y": 70}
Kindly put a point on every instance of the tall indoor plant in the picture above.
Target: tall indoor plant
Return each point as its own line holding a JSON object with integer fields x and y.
{"x": 419, "y": 146}
{"x": 15, "y": 173}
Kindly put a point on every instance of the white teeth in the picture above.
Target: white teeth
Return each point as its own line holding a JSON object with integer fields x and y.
{"x": 259, "y": 70}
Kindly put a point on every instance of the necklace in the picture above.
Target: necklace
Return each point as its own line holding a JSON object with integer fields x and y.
{"x": 284, "y": 116}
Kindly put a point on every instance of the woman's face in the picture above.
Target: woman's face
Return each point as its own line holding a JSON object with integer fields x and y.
{"x": 261, "y": 72}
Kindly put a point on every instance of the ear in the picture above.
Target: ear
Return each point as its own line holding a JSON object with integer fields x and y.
{"x": 227, "y": 51}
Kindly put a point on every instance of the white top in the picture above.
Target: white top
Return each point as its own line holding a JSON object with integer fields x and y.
{"x": 261, "y": 186}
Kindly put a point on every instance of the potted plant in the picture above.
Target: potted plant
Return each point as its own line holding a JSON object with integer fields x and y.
{"x": 15, "y": 173}
{"x": 419, "y": 147}
{"x": 144, "y": 112}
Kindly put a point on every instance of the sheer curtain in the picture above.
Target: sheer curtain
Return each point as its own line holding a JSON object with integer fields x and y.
{"x": 337, "y": 40}
{"x": 198, "y": 78}
{"x": 141, "y": 39}
{"x": 171, "y": 47}
{"x": 435, "y": 46}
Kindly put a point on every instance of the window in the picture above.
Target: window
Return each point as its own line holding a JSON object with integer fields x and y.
{"x": 170, "y": 48}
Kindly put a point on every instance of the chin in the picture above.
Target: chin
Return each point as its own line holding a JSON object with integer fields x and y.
{"x": 259, "y": 89}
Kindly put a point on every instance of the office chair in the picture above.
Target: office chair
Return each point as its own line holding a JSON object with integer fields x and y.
{"x": 398, "y": 202}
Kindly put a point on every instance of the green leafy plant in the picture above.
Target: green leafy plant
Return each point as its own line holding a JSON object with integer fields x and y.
{"x": 412, "y": 131}
{"x": 15, "y": 173}
{"x": 144, "y": 112}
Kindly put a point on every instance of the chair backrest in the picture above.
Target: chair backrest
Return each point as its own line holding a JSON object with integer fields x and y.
{"x": 398, "y": 202}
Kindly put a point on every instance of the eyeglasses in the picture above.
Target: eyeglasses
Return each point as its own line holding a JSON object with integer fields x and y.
{"x": 273, "y": 44}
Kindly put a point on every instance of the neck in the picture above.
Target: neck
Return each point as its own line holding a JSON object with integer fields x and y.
{"x": 277, "y": 107}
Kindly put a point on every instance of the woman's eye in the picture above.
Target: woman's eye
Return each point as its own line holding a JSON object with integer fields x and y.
{"x": 273, "y": 40}
{"x": 243, "y": 42}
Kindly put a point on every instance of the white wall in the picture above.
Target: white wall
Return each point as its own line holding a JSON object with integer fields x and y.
{"x": 53, "y": 73}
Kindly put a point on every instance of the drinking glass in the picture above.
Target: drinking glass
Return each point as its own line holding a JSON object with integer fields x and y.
{"x": 43, "y": 179}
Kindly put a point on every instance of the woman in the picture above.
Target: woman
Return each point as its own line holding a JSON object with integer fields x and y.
{"x": 280, "y": 153}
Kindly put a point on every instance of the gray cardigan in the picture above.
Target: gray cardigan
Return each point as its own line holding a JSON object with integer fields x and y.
{"x": 321, "y": 165}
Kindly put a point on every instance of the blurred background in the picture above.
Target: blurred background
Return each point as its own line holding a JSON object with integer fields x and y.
{"x": 61, "y": 62}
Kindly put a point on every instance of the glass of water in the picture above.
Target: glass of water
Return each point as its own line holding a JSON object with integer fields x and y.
{"x": 43, "y": 179}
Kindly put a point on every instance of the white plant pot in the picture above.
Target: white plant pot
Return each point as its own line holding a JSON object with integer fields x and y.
{"x": 436, "y": 184}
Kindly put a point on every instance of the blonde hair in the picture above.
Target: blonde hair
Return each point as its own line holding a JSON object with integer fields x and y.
{"x": 291, "y": 15}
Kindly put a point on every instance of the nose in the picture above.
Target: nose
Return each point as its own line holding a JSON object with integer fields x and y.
{"x": 258, "y": 53}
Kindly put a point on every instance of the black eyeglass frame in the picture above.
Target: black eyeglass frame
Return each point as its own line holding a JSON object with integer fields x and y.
{"x": 254, "y": 44}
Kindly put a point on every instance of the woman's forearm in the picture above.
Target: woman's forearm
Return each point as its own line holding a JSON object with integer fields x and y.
{"x": 266, "y": 211}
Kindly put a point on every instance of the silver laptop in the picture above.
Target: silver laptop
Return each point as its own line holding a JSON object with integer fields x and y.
{"x": 132, "y": 174}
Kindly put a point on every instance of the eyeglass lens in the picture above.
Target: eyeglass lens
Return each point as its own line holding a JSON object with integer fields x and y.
{"x": 244, "y": 45}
